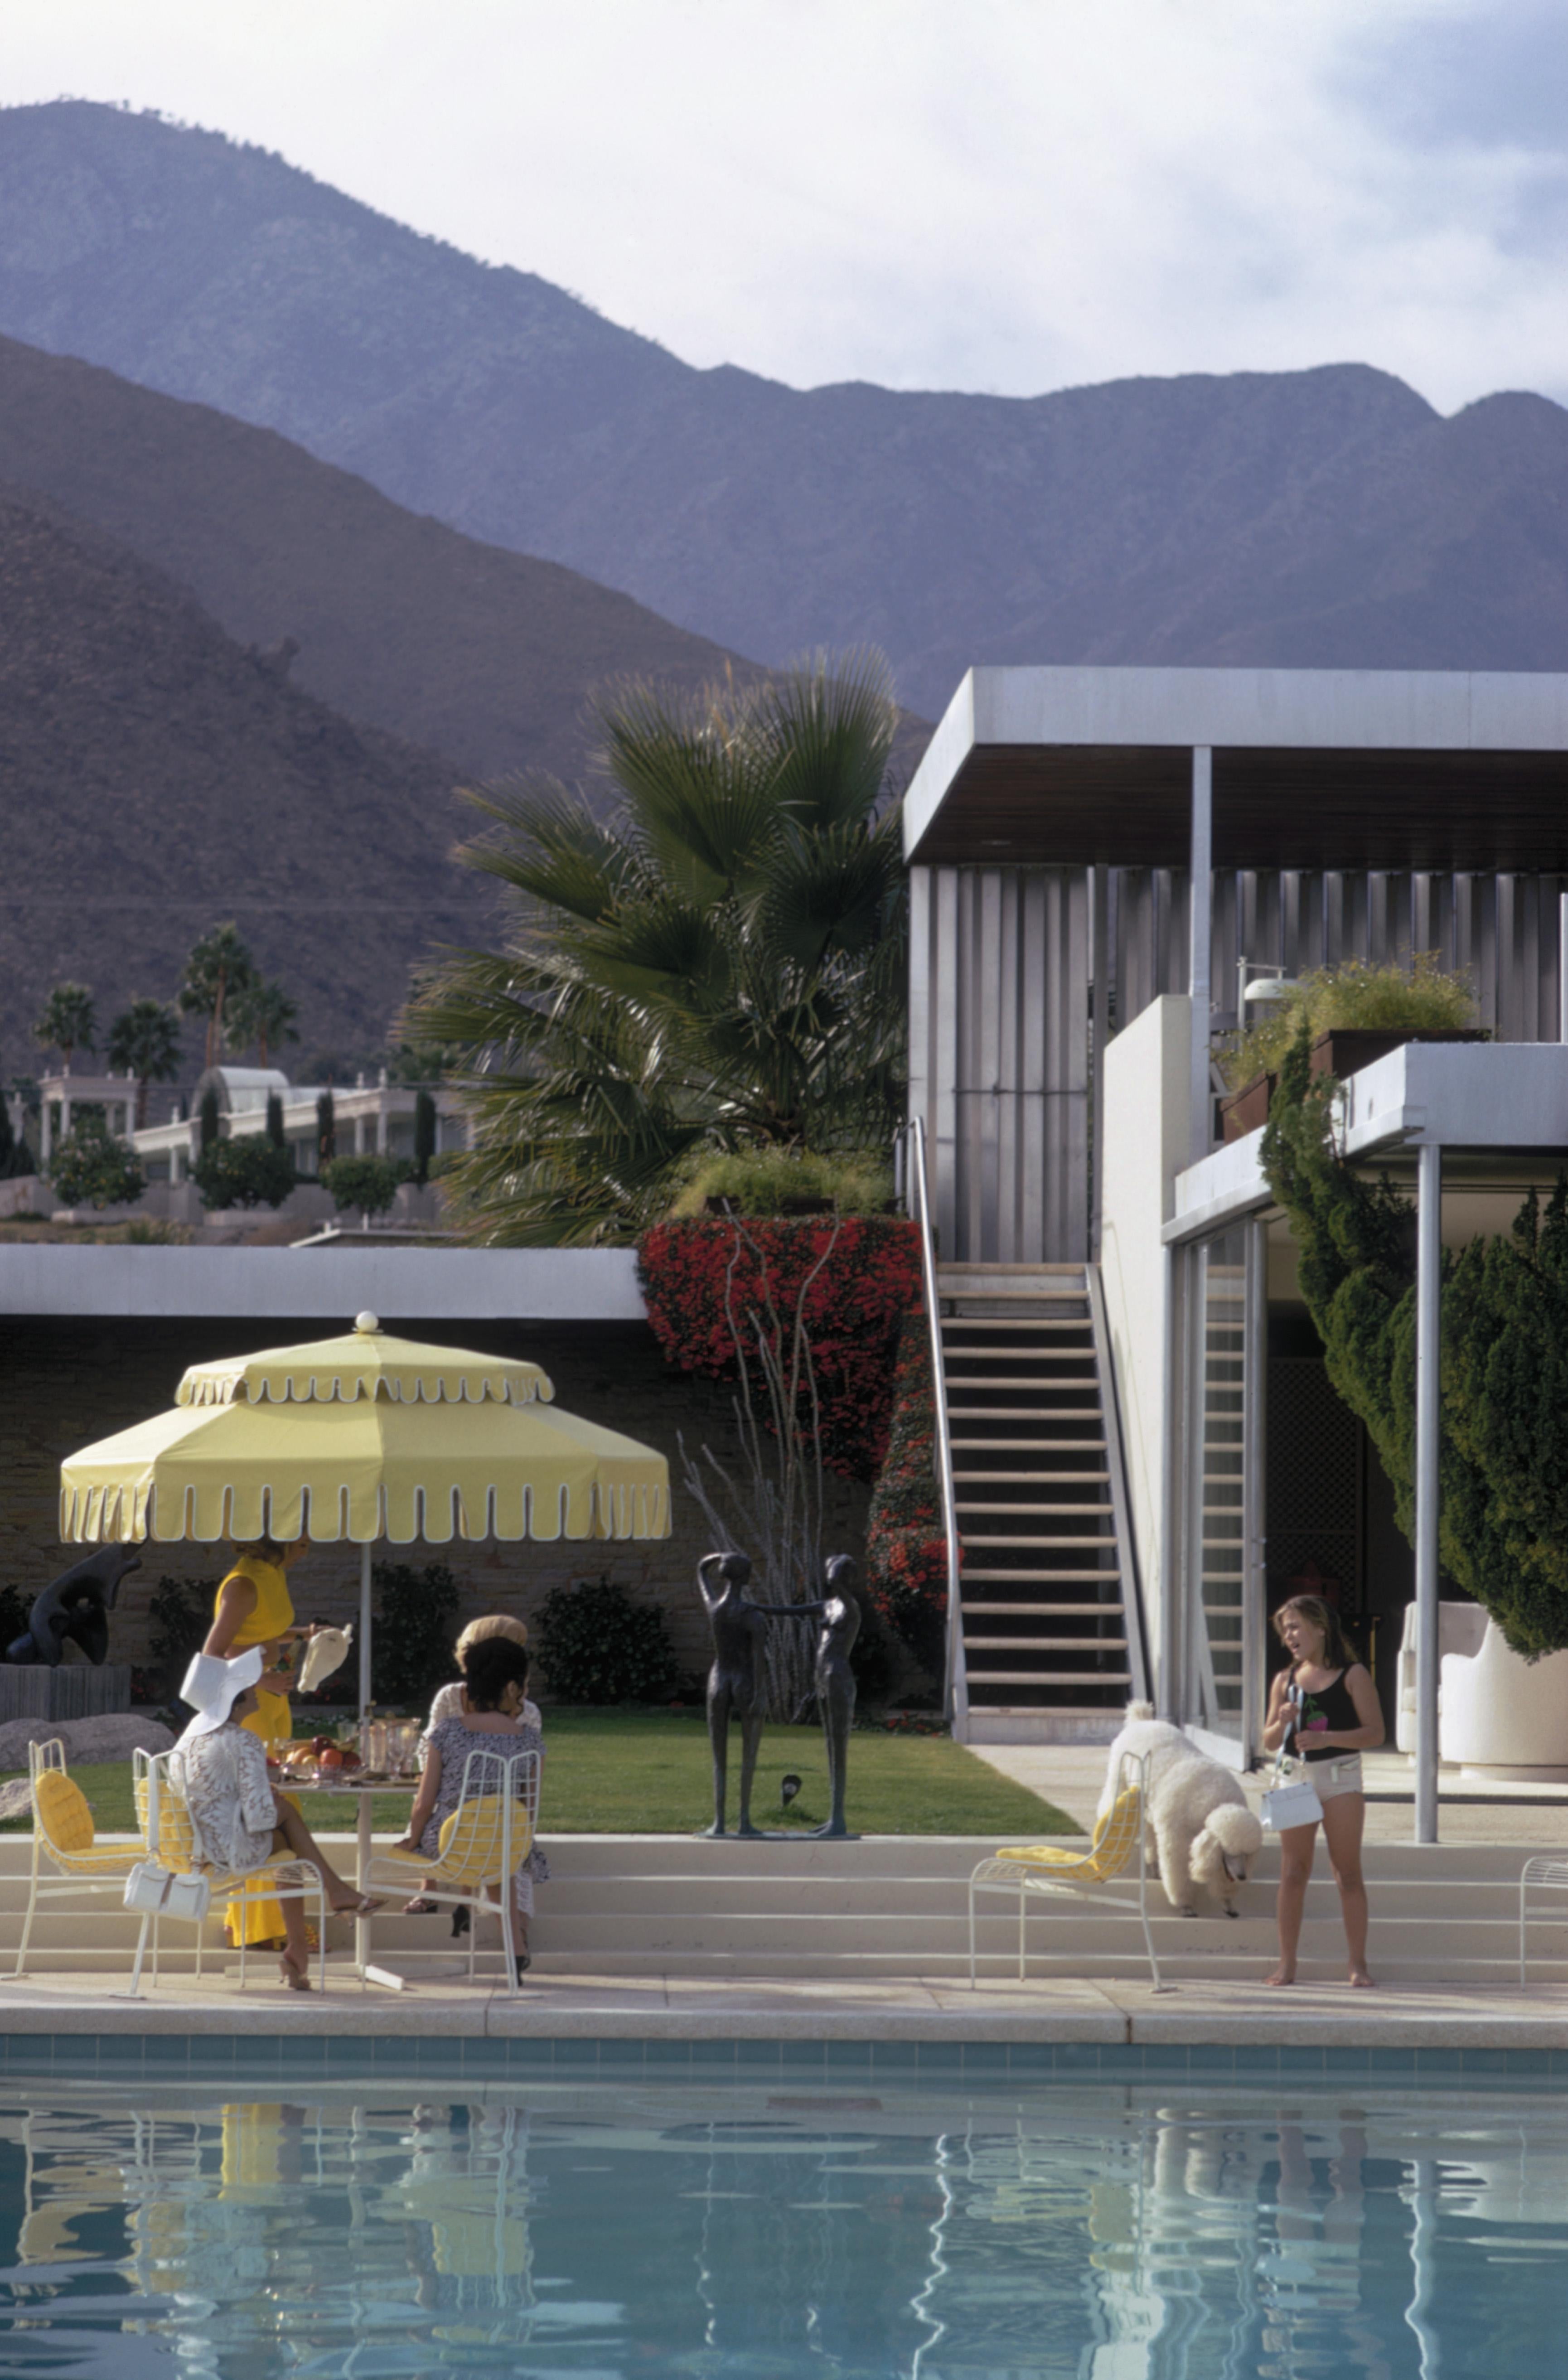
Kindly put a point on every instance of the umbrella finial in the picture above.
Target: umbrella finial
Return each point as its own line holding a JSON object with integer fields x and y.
{"x": 367, "y": 1322}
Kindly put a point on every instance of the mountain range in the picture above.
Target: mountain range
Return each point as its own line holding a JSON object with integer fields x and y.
{"x": 1323, "y": 516}
{"x": 157, "y": 778}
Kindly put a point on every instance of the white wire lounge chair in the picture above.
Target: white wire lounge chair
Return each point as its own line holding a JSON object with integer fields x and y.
{"x": 67, "y": 1859}
{"x": 172, "y": 1839}
{"x": 1113, "y": 1873}
{"x": 483, "y": 1843}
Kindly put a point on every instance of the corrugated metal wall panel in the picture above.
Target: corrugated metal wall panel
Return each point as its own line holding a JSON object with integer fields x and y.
{"x": 1000, "y": 999}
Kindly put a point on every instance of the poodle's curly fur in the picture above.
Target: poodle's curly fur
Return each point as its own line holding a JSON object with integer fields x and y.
{"x": 1204, "y": 1835}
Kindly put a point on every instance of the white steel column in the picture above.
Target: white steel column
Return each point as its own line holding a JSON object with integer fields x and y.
{"x": 1428, "y": 1319}
{"x": 1198, "y": 941}
{"x": 1562, "y": 966}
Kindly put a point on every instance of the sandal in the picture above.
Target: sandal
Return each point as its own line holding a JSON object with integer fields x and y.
{"x": 297, "y": 1978}
{"x": 462, "y": 1920}
{"x": 524, "y": 1961}
{"x": 419, "y": 1907}
{"x": 360, "y": 1906}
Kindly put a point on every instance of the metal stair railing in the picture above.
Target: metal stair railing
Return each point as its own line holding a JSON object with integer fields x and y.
{"x": 1110, "y": 1423}
{"x": 955, "y": 1688}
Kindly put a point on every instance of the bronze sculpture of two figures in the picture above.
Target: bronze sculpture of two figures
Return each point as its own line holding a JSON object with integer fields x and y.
{"x": 735, "y": 1684}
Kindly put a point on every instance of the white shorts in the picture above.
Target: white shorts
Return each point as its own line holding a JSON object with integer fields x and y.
{"x": 1332, "y": 1778}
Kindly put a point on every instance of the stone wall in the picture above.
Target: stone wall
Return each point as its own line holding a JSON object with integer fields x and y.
{"x": 64, "y": 1383}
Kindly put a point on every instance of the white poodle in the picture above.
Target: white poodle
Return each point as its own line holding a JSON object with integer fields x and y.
{"x": 1204, "y": 1832}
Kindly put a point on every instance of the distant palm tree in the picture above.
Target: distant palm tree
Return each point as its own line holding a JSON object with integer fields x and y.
{"x": 146, "y": 1041}
{"x": 219, "y": 967}
{"x": 263, "y": 1013}
{"x": 68, "y": 1022}
{"x": 721, "y": 962}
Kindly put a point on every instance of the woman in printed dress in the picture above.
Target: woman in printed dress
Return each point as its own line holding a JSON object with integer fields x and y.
{"x": 492, "y": 1706}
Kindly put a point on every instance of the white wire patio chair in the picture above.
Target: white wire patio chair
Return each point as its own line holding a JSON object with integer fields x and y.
{"x": 483, "y": 1843}
{"x": 1113, "y": 1873}
{"x": 172, "y": 1839}
{"x": 67, "y": 1859}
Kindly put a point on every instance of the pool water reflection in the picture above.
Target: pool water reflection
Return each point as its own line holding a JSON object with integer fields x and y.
{"x": 562, "y": 2229}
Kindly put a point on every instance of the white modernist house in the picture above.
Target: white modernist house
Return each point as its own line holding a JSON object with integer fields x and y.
{"x": 371, "y": 1119}
{"x": 1103, "y": 862}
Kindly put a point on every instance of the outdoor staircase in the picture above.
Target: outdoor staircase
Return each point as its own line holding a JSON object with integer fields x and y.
{"x": 1053, "y": 1646}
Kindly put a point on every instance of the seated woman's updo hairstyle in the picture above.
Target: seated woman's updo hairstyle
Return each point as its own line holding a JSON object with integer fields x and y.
{"x": 490, "y": 1667}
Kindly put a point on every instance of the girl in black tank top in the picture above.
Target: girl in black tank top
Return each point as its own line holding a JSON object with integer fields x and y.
{"x": 1326, "y": 1709}
{"x": 1342, "y": 1703}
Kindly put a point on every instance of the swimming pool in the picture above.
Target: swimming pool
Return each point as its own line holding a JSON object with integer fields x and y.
{"x": 772, "y": 2228}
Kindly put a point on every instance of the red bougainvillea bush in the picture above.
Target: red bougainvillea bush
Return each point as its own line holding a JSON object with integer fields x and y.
{"x": 702, "y": 1278}
{"x": 906, "y": 1546}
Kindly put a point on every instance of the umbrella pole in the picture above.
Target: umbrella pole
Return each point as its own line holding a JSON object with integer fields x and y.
{"x": 364, "y": 1632}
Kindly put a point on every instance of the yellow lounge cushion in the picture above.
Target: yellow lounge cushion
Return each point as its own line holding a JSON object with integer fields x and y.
{"x": 63, "y": 1811}
{"x": 1115, "y": 1840}
{"x": 470, "y": 1850}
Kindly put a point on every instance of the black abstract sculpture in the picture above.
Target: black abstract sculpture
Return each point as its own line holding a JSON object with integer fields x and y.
{"x": 75, "y": 1611}
{"x": 735, "y": 1687}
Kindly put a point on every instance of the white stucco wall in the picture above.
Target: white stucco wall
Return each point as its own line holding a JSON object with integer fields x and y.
{"x": 1146, "y": 1141}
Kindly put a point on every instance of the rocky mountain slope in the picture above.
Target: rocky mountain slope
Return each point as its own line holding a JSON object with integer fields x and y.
{"x": 155, "y": 779}
{"x": 1315, "y": 516}
{"x": 488, "y": 657}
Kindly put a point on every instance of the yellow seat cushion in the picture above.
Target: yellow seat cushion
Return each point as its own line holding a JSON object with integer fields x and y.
{"x": 470, "y": 1852}
{"x": 1115, "y": 1840}
{"x": 63, "y": 1811}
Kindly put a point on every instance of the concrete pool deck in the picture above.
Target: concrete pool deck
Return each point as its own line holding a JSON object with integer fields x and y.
{"x": 590, "y": 2009}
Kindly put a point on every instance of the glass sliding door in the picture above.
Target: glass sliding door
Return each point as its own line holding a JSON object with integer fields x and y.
{"x": 1224, "y": 1314}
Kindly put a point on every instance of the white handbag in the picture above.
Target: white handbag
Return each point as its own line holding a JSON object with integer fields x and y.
{"x": 1291, "y": 1801}
{"x": 157, "y": 1892}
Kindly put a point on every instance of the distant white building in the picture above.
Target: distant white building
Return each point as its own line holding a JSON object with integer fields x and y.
{"x": 371, "y": 1119}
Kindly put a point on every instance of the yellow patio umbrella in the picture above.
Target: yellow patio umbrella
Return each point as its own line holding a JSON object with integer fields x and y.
{"x": 362, "y": 1438}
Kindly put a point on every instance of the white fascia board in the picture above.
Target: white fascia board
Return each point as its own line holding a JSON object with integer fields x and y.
{"x": 1227, "y": 1183}
{"x": 940, "y": 763}
{"x": 330, "y": 1284}
{"x": 1477, "y": 1096}
{"x": 1470, "y": 1095}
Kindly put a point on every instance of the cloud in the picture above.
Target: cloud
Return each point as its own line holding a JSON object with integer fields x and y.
{"x": 1002, "y": 194}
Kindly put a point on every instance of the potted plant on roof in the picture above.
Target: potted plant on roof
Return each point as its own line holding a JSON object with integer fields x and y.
{"x": 1357, "y": 1014}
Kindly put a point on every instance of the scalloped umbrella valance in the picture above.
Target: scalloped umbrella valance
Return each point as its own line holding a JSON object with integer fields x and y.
{"x": 358, "y": 1439}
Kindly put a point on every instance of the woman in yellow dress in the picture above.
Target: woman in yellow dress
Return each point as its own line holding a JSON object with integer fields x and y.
{"x": 254, "y": 1607}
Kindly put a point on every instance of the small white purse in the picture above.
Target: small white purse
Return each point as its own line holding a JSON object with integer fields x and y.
{"x": 1291, "y": 1801}
{"x": 157, "y": 1892}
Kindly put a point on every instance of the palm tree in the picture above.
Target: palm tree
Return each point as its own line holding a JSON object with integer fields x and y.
{"x": 145, "y": 1039}
{"x": 720, "y": 963}
{"x": 68, "y": 1022}
{"x": 219, "y": 967}
{"x": 263, "y": 1013}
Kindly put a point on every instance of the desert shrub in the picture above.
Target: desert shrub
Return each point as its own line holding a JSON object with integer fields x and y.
{"x": 704, "y": 1279}
{"x": 181, "y": 1613}
{"x": 250, "y": 1173}
{"x": 1414, "y": 998}
{"x": 424, "y": 1134}
{"x": 597, "y": 1645}
{"x": 90, "y": 1168}
{"x": 767, "y": 1182}
{"x": 412, "y": 1648}
{"x": 370, "y": 1183}
{"x": 15, "y": 1607}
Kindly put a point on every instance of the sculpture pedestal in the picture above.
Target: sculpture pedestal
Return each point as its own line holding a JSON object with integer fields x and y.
{"x": 76, "y": 1690}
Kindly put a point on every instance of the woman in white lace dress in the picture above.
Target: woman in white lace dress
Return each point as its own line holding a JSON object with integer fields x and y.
{"x": 241, "y": 1823}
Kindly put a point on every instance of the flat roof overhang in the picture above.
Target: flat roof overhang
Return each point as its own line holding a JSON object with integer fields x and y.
{"x": 1078, "y": 767}
{"x": 1498, "y": 1111}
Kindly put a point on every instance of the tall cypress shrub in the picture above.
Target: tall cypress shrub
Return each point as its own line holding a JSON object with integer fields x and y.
{"x": 1504, "y": 1407}
{"x": 424, "y": 1134}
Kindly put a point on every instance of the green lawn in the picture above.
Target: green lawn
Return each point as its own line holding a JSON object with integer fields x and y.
{"x": 611, "y": 1772}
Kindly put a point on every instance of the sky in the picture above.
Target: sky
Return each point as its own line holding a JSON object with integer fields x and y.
{"x": 1002, "y": 195}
